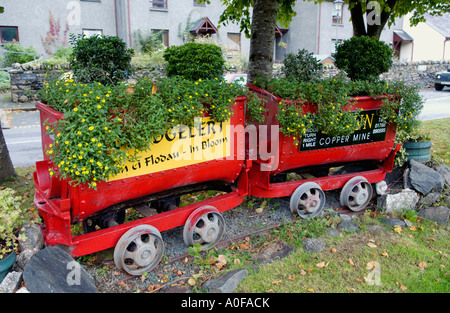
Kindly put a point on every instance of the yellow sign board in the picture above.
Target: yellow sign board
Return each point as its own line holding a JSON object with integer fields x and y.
{"x": 181, "y": 146}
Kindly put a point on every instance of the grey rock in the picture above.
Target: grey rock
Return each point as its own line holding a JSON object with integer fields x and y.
{"x": 24, "y": 257}
{"x": 225, "y": 283}
{"x": 11, "y": 282}
{"x": 332, "y": 232}
{"x": 424, "y": 179}
{"x": 404, "y": 200}
{"x": 392, "y": 221}
{"x": 348, "y": 226}
{"x": 53, "y": 270}
{"x": 33, "y": 237}
{"x": 311, "y": 245}
{"x": 439, "y": 214}
{"x": 345, "y": 217}
{"x": 177, "y": 289}
{"x": 431, "y": 198}
{"x": 272, "y": 252}
{"x": 444, "y": 170}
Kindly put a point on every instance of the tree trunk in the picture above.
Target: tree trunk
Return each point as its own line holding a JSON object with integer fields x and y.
{"x": 376, "y": 29}
{"x": 6, "y": 166}
{"x": 262, "y": 39}
{"x": 356, "y": 13}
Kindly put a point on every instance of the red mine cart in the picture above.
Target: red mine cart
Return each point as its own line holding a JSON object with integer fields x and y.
{"x": 320, "y": 162}
{"x": 161, "y": 175}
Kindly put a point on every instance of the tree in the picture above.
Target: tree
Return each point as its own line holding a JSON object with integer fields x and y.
{"x": 368, "y": 19}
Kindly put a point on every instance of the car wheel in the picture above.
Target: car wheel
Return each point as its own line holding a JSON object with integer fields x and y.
{"x": 438, "y": 87}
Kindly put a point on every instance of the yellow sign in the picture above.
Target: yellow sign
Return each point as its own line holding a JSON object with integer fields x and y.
{"x": 181, "y": 146}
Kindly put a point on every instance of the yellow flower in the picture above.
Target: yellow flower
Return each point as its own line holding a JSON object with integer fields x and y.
{"x": 99, "y": 106}
{"x": 75, "y": 109}
{"x": 78, "y": 132}
{"x": 94, "y": 184}
{"x": 91, "y": 128}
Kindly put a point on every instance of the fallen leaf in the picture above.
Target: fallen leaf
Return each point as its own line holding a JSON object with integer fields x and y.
{"x": 259, "y": 210}
{"x": 403, "y": 288}
{"x": 398, "y": 229}
{"x": 333, "y": 250}
{"x": 320, "y": 265}
{"x": 351, "y": 289}
{"x": 372, "y": 245}
{"x": 422, "y": 265}
{"x": 359, "y": 280}
{"x": 154, "y": 89}
{"x": 310, "y": 290}
{"x": 291, "y": 277}
{"x": 303, "y": 272}
{"x": 412, "y": 228}
{"x": 385, "y": 254}
{"x": 351, "y": 262}
{"x": 237, "y": 261}
{"x": 191, "y": 281}
{"x": 276, "y": 282}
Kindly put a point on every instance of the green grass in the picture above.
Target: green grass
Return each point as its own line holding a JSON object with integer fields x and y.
{"x": 412, "y": 261}
{"x": 439, "y": 131}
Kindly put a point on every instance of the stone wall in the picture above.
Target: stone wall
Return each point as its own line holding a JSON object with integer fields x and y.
{"x": 28, "y": 79}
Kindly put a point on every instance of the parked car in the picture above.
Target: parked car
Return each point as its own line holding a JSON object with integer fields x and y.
{"x": 442, "y": 79}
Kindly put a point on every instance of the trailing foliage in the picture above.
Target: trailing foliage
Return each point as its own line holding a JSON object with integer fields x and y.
{"x": 195, "y": 61}
{"x": 332, "y": 99}
{"x": 102, "y": 123}
{"x": 363, "y": 58}
{"x": 104, "y": 59}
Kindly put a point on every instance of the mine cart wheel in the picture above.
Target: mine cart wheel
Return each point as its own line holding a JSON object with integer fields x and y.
{"x": 204, "y": 226}
{"x": 307, "y": 200}
{"x": 139, "y": 250}
{"x": 356, "y": 193}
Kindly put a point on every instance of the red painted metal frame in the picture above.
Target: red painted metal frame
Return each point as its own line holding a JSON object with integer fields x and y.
{"x": 289, "y": 156}
{"x": 60, "y": 204}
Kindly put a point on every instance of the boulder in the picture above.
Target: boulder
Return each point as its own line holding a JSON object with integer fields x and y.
{"x": 404, "y": 200}
{"x": 444, "y": 170}
{"x": 11, "y": 282}
{"x": 439, "y": 214}
{"x": 272, "y": 252}
{"x": 348, "y": 226}
{"x": 225, "y": 283}
{"x": 53, "y": 270}
{"x": 392, "y": 221}
{"x": 424, "y": 179}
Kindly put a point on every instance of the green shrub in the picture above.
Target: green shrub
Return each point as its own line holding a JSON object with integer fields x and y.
{"x": 195, "y": 61}
{"x": 302, "y": 66}
{"x": 363, "y": 58}
{"x": 25, "y": 54}
{"x": 104, "y": 59}
{"x": 5, "y": 84}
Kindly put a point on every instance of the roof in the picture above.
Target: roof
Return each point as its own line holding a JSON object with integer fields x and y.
{"x": 203, "y": 26}
{"x": 440, "y": 23}
{"x": 403, "y": 35}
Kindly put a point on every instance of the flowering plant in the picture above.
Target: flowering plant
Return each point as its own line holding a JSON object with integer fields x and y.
{"x": 10, "y": 221}
{"x": 102, "y": 123}
{"x": 333, "y": 100}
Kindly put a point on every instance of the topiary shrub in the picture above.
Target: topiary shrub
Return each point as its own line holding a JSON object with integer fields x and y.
{"x": 103, "y": 59}
{"x": 363, "y": 58}
{"x": 302, "y": 66}
{"x": 195, "y": 61}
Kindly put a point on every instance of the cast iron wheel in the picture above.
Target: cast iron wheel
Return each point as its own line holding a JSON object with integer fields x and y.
{"x": 307, "y": 200}
{"x": 356, "y": 193}
{"x": 204, "y": 226}
{"x": 139, "y": 250}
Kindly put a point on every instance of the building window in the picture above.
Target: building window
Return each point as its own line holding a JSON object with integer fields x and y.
{"x": 334, "y": 43}
{"x": 9, "y": 34}
{"x": 337, "y": 16}
{"x": 159, "y": 4}
{"x": 234, "y": 41}
{"x": 163, "y": 35}
{"x": 92, "y": 32}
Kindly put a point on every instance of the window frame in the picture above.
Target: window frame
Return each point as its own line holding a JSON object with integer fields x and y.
{"x": 17, "y": 34}
{"x": 163, "y": 31}
{"x": 165, "y": 4}
{"x": 92, "y": 30}
{"x": 238, "y": 44}
{"x": 337, "y": 18}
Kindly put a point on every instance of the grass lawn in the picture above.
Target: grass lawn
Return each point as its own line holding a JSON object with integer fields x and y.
{"x": 439, "y": 131}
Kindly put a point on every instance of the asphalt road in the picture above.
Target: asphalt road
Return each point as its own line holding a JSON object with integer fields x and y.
{"x": 23, "y": 137}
